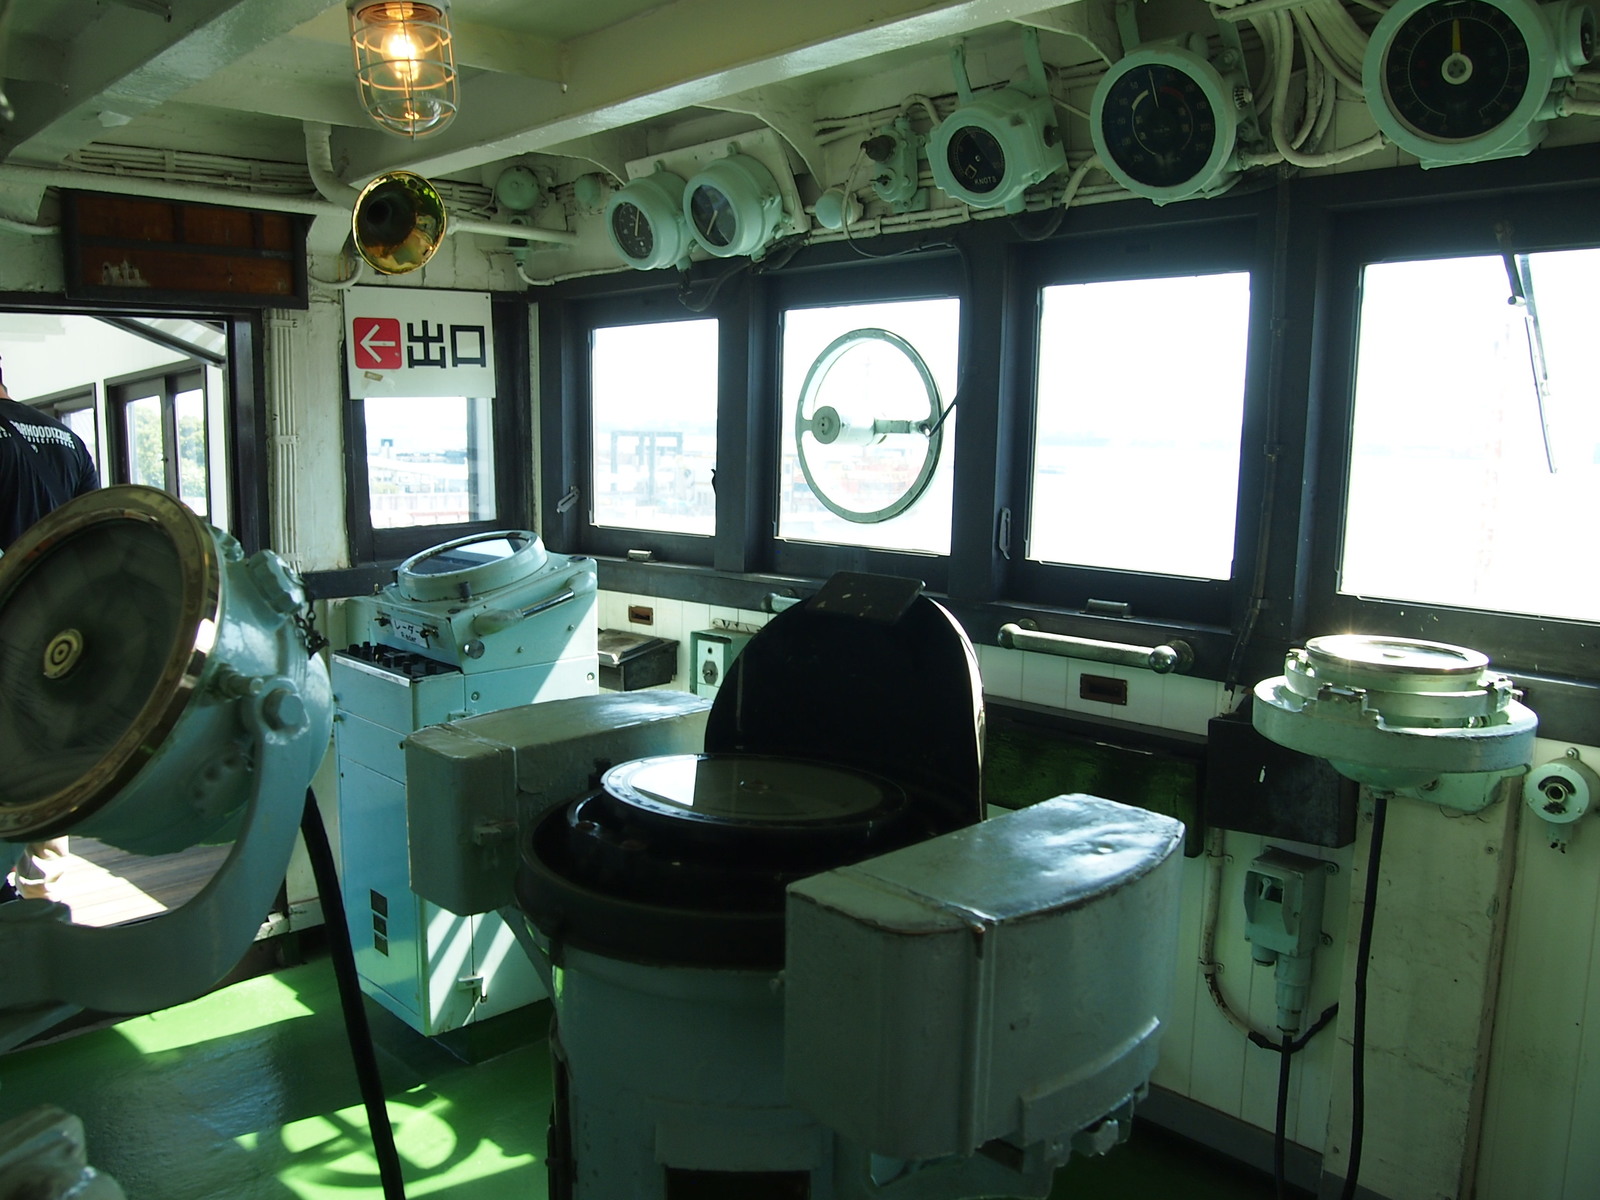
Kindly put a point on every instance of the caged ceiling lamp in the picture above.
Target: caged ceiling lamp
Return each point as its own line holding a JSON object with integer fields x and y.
{"x": 405, "y": 64}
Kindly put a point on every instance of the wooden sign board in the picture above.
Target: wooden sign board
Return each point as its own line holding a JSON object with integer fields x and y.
{"x": 168, "y": 253}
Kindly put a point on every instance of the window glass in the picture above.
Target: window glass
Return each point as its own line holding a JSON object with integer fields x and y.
{"x": 654, "y": 432}
{"x": 1139, "y": 408}
{"x": 147, "y": 463}
{"x": 430, "y": 460}
{"x": 874, "y": 384}
{"x": 192, "y": 481}
{"x": 81, "y": 421}
{"x": 1456, "y": 497}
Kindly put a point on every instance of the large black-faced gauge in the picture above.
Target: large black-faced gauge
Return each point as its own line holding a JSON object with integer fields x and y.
{"x": 994, "y": 147}
{"x": 1165, "y": 123}
{"x": 733, "y": 206}
{"x": 1454, "y": 81}
{"x": 646, "y": 224}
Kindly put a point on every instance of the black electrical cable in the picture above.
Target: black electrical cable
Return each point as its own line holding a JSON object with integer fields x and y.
{"x": 1380, "y": 812}
{"x": 1044, "y": 230}
{"x": 1280, "y": 1135}
{"x": 1287, "y": 1049}
{"x": 686, "y": 286}
{"x": 1299, "y": 1043}
{"x": 355, "y": 1015}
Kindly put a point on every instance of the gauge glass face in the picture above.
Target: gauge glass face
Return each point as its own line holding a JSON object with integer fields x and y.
{"x": 713, "y": 216}
{"x": 77, "y": 672}
{"x": 1456, "y": 70}
{"x": 447, "y": 560}
{"x": 1158, "y": 125}
{"x": 749, "y": 789}
{"x": 632, "y": 231}
{"x": 976, "y": 160}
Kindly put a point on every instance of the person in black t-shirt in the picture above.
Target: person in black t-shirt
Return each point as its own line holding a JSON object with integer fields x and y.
{"x": 43, "y": 464}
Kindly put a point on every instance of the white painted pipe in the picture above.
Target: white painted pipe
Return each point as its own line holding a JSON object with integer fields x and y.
{"x": 311, "y": 206}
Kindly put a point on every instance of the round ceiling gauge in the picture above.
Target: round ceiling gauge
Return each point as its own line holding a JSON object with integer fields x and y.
{"x": 645, "y": 221}
{"x": 1454, "y": 81}
{"x": 990, "y": 151}
{"x": 733, "y": 206}
{"x": 1164, "y": 123}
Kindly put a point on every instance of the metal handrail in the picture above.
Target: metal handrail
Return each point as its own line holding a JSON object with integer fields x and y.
{"x": 1174, "y": 657}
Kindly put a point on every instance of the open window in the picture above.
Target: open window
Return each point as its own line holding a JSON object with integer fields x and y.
{"x": 159, "y": 399}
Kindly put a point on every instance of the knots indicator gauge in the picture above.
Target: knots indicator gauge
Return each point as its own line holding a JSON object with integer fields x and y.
{"x": 976, "y": 159}
{"x": 1456, "y": 81}
{"x": 991, "y": 151}
{"x": 995, "y": 146}
{"x": 645, "y": 221}
{"x": 1165, "y": 123}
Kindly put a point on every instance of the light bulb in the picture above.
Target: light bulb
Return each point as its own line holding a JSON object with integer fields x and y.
{"x": 405, "y": 65}
{"x": 401, "y": 53}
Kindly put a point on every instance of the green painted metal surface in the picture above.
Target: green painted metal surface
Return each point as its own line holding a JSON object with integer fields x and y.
{"x": 1030, "y": 756}
{"x": 248, "y": 1094}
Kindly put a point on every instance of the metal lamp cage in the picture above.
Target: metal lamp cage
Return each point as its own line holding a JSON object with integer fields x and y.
{"x": 405, "y": 64}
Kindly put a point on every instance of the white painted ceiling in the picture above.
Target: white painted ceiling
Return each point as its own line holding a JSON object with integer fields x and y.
{"x": 591, "y": 81}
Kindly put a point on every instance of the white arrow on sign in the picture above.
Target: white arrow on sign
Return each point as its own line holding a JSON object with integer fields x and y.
{"x": 370, "y": 339}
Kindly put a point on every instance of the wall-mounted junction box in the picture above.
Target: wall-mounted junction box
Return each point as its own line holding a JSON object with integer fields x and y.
{"x": 711, "y": 653}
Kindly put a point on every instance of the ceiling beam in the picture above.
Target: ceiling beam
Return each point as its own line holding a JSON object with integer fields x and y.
{"x": 126, "y": 61}
{"x": 34, "y": 59}
{"x": 671, "y": 57}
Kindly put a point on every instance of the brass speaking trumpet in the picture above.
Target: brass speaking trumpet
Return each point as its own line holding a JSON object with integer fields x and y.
{"x": 398, "y": 223}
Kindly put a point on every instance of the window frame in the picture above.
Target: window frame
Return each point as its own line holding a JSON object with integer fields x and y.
{"x": 1283, "y": 231}
{"x": 638, "y": 308}
{"x": 164, "y": 383}
{"x": 1229, "y": 242}
{"x": 1535, "y": 646}
{"x": 510, "y": 426}
{"x": 61, "y": 404}
{"x": 244, "y": 433}
{"x": 928, "y": 276}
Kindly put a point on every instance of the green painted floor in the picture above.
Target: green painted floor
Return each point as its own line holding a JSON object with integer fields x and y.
{"x": 248, "y": 1094}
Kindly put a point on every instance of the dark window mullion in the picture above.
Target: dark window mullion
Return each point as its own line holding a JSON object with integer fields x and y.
{"x": 169, "y": 433}
{"x": 119, "y": 456}
{"x": 988, "y": 403}
{"x": 358, "y": 496}
{"x": 746, "y": 404}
